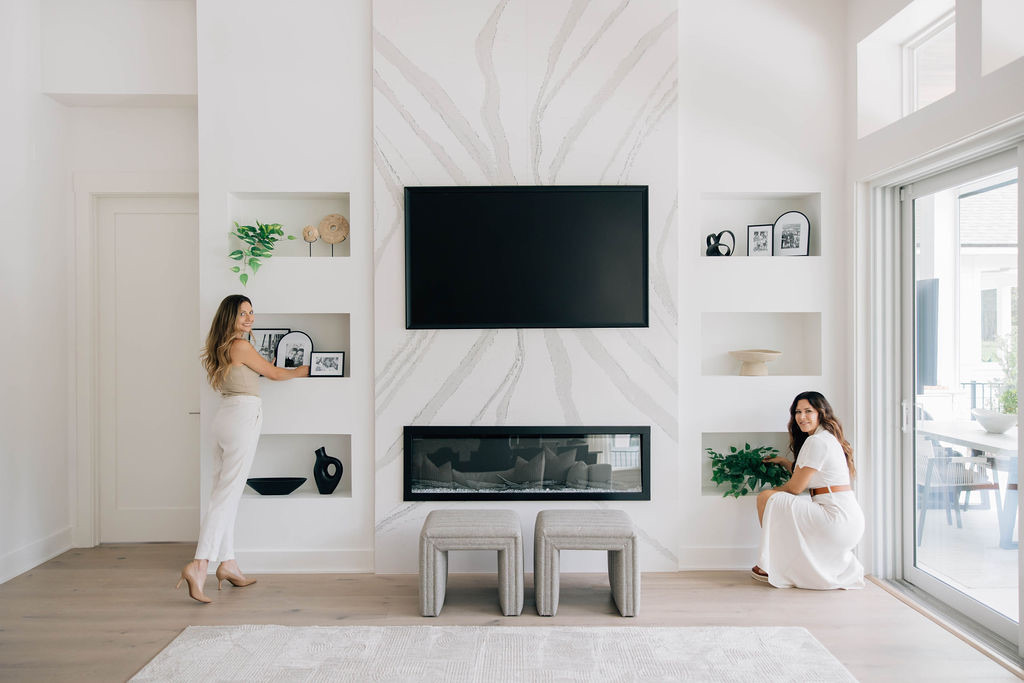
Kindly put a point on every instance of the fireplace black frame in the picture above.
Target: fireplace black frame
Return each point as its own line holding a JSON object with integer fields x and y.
{"x": 447, "y": 432}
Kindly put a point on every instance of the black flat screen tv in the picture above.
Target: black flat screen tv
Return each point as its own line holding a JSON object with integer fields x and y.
{"x": 526, "y": 256}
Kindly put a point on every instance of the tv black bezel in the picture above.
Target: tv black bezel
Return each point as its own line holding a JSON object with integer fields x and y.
{"x": 645, "y": 237}
{"x": 435, "y": 432}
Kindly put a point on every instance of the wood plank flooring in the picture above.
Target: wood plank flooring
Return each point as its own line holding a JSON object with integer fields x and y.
{"x": 100, "y": 614}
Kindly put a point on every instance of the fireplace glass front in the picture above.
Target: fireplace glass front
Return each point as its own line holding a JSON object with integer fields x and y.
{"x": 527, "y": 463}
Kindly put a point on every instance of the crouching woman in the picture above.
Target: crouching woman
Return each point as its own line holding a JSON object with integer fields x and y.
{"x": 808, "y": 542}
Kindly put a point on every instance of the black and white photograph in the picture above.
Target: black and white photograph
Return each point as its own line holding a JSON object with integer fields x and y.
{"x": 759, "y": 240}
{"x": 266, "y": 340}
{"x": 294, "y": 349}
{"x": 792, "y": 234}
{"x": 327, "y": 364}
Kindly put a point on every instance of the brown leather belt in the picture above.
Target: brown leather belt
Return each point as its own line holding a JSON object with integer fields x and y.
{"x": 831, "y": 489}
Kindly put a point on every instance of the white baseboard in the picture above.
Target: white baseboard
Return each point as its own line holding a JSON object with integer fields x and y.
{"x": 34, "y": 554}
{"x": 304, "y": 561}
{"x": 692, "y": 558}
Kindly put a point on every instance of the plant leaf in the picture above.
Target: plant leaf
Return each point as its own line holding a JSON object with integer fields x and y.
{"x": 244, "y": 277}
{"x": 235, "y": 269}
{"x": 236, "y": 255}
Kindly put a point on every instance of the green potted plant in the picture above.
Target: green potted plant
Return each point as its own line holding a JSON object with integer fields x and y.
{"x": 745, "y": 470}
{"x": 260, "y": 241}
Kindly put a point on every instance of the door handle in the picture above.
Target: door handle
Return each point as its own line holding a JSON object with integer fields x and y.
{"x": 193, "y": 412}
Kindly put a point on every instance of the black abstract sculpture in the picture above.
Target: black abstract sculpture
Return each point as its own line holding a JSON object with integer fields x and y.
{"x": 717, "y": 245}
{"x": 326, "y": 482}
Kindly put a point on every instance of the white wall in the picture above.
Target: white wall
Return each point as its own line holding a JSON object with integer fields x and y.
{"x": 120, "y": 139}
{"x": 760, "y": 109}
{"x": 119, "y": 51}
{"x": 35, "y": 187}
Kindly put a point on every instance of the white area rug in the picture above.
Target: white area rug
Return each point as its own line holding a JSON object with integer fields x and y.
{"x": 492, "y": 653}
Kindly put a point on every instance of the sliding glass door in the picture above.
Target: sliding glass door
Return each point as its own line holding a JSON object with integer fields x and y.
{"x": 961, "y": 235}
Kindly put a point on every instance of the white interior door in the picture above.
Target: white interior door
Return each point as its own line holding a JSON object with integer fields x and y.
{"x": 148, "y": 376}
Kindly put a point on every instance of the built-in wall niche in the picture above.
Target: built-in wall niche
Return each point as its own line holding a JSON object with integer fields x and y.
{"x": 796, "y": 335}
{"x": 734, "y": 211}
{"x": 294, "y": 211}
{"x": 721, "y": 442}
{"x": 328, "y": 331}
{"x": 293, "y": 455}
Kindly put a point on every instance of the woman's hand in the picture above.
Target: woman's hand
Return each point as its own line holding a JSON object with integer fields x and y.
{"x": 779, "y": 460}
{"x": 302, "y": 371}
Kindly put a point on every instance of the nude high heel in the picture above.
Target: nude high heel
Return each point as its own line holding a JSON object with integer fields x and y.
{"x": 195, "y": 589}
{"x": 233, "y": 579}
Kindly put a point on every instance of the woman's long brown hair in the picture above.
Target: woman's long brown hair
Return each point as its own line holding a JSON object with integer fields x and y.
{"x": 826, "y": 418}
{"x": 216, "y": 355}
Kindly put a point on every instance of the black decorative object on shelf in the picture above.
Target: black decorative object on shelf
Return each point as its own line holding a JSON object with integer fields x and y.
{"x": 275, "y": 486}
{"x": 325, "y": 481}
{"x": 716, "y": 247}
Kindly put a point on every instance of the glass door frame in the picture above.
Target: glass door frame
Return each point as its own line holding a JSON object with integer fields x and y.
{"x": 907, "y": 193}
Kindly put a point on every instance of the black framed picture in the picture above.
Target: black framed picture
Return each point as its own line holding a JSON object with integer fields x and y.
{"x": 266, "y": 340}
{"x": 294, "y": 349}
{"x": 792, "y": 234}
{"x": 759, "y": 240}
{"x": 327, "y": 364}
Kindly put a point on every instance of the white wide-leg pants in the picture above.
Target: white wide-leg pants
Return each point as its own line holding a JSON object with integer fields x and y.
{"x": 236, "y": 427}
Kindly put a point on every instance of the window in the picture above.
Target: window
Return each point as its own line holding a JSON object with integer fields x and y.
{"x": 929, "y": 64}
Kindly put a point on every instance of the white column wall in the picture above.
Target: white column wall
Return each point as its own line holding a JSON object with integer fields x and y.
{"x": 761, "y": 111}
{"x": 284, "y": 109}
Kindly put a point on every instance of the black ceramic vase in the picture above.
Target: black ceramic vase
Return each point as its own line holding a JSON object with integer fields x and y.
{"x": 325, "y": 481}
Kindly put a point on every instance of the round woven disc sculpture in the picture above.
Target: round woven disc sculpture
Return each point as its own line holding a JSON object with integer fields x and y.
{"x": 310, "y": 234}
{"x": 333, "y": 228}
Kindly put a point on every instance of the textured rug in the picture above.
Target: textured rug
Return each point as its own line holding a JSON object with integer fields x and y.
{"x": 493, "y": 653}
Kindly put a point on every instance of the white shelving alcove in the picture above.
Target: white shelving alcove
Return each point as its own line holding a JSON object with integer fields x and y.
{"x": 797, "y": 335}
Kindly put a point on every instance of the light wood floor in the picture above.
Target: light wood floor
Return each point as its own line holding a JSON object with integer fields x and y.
{"x": 100, "y": 614}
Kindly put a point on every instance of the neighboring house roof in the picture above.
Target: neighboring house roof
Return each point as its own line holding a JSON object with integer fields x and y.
{"x": 989, "y": 219}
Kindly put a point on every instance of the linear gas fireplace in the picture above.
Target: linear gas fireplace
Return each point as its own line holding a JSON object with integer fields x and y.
{"x": 527, "y": 463}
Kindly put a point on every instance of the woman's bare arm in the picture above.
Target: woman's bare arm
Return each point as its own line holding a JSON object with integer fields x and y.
{"x": 800, "y": 480}
{"x": 243, "y": 352}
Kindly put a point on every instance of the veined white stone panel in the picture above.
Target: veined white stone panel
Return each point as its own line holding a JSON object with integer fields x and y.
{"x": 525, "y": 92}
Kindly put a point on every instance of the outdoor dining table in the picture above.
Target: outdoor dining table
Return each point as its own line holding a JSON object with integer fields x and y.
{"x": 999, "y": 449}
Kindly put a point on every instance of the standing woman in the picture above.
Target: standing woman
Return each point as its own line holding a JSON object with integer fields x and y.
{"x": 808, "y": 542}
{"x": 232, "y": 366}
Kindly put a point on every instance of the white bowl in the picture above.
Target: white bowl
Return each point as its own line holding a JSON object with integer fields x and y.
{"x": 754, "y": 360}
{"x": 993, "y": 422}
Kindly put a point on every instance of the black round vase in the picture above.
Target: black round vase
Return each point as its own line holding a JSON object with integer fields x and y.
{"x": 325, "y": 481}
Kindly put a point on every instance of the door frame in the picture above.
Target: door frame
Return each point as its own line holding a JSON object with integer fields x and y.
{"x": 89, "y": 188}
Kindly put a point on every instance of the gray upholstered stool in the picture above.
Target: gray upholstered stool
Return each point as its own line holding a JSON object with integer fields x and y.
{"x": 610, "y": 530}
{"x": 446, "y": 530}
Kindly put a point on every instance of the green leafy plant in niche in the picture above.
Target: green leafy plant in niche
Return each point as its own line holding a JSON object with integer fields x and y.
{"x": 260, "y": 242}
{"x": 745, "y": 471}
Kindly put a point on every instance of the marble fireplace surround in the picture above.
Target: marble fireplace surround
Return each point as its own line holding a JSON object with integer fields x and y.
{"x": 527, "y": 463}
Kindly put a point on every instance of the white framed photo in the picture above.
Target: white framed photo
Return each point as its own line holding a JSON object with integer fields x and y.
{"x": 759, "y": 240}
{"x": 294, "y": 349}
{"x": 327, "y": 364}
{"x": 265, "y": 340}
{"x": 792, "y": 234}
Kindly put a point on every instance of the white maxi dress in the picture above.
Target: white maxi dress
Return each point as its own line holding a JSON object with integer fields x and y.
{"x": 808, "y": 542}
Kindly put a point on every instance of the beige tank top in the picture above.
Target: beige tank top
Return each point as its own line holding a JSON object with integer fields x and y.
{"x": 240, "y": 381}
